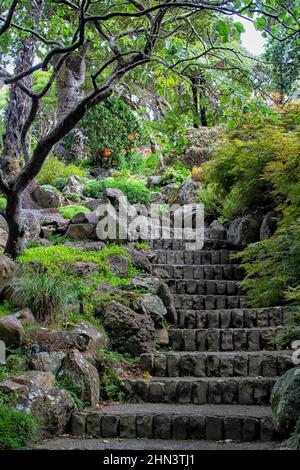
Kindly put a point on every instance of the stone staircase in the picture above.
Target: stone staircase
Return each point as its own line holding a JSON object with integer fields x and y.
{"x": 215, "y": 382}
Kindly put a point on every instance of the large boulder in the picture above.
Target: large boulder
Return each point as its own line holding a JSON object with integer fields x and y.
{"x": 81, "y": 376}
{"x": 8, "y": 269}
{"x": 151, "y": 305}
{"x": 285, "y": 401}
{"x": 46, "y": 340}
{"x": 140, "y": 260}
{"x": 46, "y": 198}
{"x": 118, "y": 265}
{"x": 85, "y": 231}
{"x": 47, "y": 362}
{"x": 73, "y": 185}
{"x": 31, "y": 225}
{"x": 163, "y": 291}
{"x": 170, "y": 191}
{"x": 85, "y": 218}
{"x": 96, "y": 338}
{"x": 153, "y": 181}
{"x": 3, "y": 232}
{"x": 217, "y": 231}
{"x": 129, "y": 331}
{"x": 11, "y": 327}
{"x": 11, "y": 331}
{"x": 158, "y": 198}
{"x": 268, "y": 226}
{"x": 242, "y": 231}
{"x": 36, "y": 393}
{"x": 187, "y": 193}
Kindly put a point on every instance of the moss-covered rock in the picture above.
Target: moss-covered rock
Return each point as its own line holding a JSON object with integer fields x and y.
{"x": 285, "y": 401}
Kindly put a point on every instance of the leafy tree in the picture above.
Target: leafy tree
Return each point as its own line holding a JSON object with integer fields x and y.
{"x": 284, "y": 61}
{"x": 123, "y": 36}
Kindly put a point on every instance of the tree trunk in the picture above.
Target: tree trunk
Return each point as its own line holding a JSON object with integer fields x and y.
{"x": 71, "y": 77}
{"x": 198, "y": 90}
{"x": 18, "y": 105}
{"x": 196, "y": 102}
{"x": 15, "y": 243}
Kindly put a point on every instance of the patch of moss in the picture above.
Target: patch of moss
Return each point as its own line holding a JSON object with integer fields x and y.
{"x": 68, "y": 212}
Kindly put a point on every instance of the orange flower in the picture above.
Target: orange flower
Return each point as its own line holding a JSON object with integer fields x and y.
{"x": 137, "y": 135}
{"x": 107, "y": 152}
{"x": 130, "y": 137}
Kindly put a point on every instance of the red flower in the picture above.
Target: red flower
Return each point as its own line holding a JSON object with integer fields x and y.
{"x": 130, "y": 137}
{"x": 107, "y": 152}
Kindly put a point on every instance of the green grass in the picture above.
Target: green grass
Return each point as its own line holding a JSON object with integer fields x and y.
{"x": 70, "y": 211}
{"x": 17, "y": 430}
{"x": 135, "y": 190}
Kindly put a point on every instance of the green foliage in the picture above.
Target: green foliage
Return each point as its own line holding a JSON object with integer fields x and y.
{"x": 73, "y": 197}
{"x": 135, "y": 190}
{"x": 55, "y": 168}
{"x": 5, "y": 308}
{"x": 70, "y": 211}
{"x": 273, "y": 267}
{"x": 2, "y": 203}
{"x": 177, "y": 174}
{"x": 142, "y": 246}
{"x": 284, "y": 62}
{"x": 44, "y": 292}
{"x": 234, "y": 178}
{"x": 58, "y": 239}
{"x": 138, "y": 165}
{"x": 108, "y": 126}
{"x": 17, "y": 430}
{"x": 111, "y": 384}
{"x": 74, "y": 387}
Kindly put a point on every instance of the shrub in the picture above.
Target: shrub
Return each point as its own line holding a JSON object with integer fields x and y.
{"x": 54, "y": 168}
{"x": 107, "y": 128}
{"x": 238, "y": 169}
{"x": 273, "y": 267}
{"x": 44, "y": 292}
{"x": 139, "y": 165}
{"x": 135, "y": 190}
{"x": 176, "y": 175}
{"x": 73, "y": 197}
{"x": 17, "y": 430}
{"x": 209, "y": 197}
{"x": 70, "y": 211}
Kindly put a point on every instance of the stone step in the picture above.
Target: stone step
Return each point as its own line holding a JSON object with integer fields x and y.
{"x": 225, "y": 339}
{"x": 217, "y": 364}
{"x": 234, "y": 318}
{"x": 180, "y": 422}
{"x": 200, "y": 287}
{"x": 226, "y": 272}
{"x": 193, "y": 257}
{"x": 214, "y": 390}
{"x": 69, "y": 443}
{"x": 210, "y": 302}
{"x": 209, "y": 244}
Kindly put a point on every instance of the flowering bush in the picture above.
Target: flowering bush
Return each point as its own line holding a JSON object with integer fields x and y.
{"x": 111, "y": 130}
